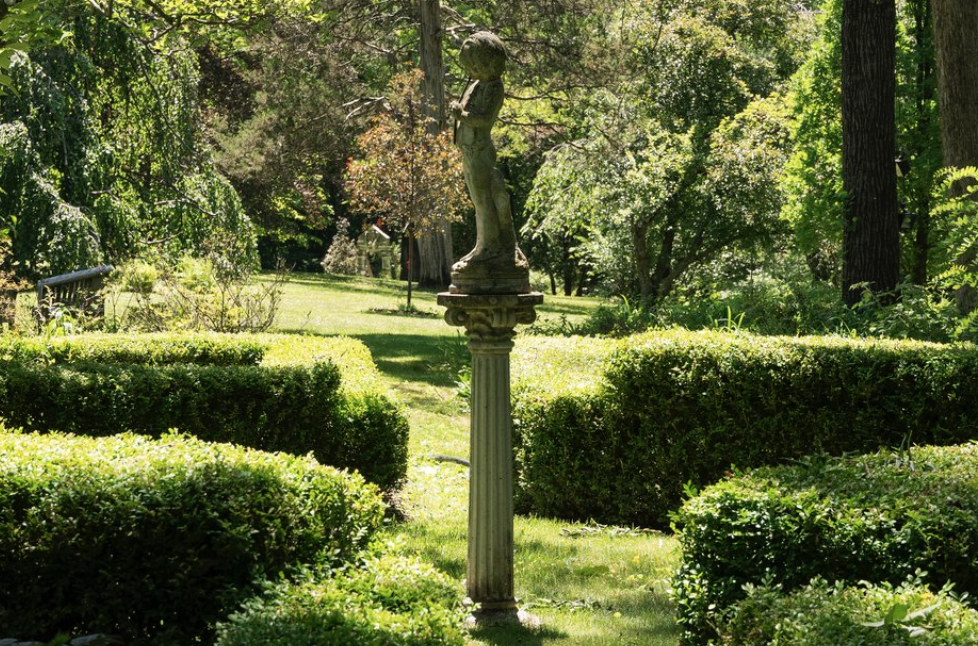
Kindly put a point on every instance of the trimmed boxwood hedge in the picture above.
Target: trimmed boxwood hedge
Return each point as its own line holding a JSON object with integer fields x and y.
{"x": 613, "y": 430}
{"x": 821, "y": 614}
{"x": 308, "y": 395}
{"x": 391, "y": 601}
{"x": 878, "y": 518}
{"x": 156, "y": 540}
{"x": 157, "y": 349}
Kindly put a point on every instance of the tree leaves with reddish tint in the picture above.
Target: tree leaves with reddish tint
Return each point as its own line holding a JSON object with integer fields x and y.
{"x": 404, "y": 174}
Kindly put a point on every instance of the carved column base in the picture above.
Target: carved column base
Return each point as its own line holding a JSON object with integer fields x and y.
{"x": 489, "y": 322}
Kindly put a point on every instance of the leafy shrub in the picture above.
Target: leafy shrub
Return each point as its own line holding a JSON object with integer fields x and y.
{"x": 138, "y": 277}
{"x": 153, "y": 349}
{"x": 195, "y": 294}
{"x": 777, "y": 305}
{"x": 390, "y": 602}
{"x": 297, "y": 403}
{"x": 156, "y": 540}
{"x": 616, "y": 436}
{"x": 866, "y": 615}
{"x": 620, "y": 318}
{"x": 877, "y": 518}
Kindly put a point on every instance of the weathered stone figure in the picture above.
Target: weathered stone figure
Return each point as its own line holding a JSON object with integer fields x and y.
{"x": 496, "y": 265}
{"x": 490, "y": 296}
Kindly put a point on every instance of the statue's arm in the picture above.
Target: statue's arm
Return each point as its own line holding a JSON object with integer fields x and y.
{"x": 480, "y": 108}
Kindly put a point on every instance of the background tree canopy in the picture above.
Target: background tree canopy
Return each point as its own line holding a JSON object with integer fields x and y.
{"x": 656, "y": 149}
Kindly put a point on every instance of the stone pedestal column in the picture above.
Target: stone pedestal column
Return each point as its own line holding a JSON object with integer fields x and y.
{"x": 489, "y": 322}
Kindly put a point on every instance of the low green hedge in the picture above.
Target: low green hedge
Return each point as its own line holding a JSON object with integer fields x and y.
{"x": 613, "y": 430}
{"x": 157, "y": 540}
{"x": 389, "y": 602}
{"x": 156, "y": 349}
{"x": 309, "y": 395}
{"x": 877, "y": 518}
{"x": 821, "y": 614}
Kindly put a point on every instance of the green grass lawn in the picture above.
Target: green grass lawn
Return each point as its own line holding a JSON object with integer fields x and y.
{"x": 590, "y": 585}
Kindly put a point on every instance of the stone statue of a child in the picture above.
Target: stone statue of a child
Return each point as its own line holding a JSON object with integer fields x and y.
{"x": 496, "y": 265}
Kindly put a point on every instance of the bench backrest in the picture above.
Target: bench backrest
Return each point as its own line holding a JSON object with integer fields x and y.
{"x": 78, "y": 290}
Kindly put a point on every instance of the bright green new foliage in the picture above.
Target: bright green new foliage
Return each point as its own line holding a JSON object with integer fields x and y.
{"x": 391, "y": 601}
{"x": 880, "y": 518}
{"x": 822, "y": 613}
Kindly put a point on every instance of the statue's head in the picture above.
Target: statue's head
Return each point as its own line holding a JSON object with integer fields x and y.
{"x": 483, "y": 56}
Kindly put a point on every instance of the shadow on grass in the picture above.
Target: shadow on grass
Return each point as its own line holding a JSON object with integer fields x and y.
{"x": 516, "y": 635}
{"x": 379, "y": 286}
{"x": 431, "y": 360}
{"x": 571, "y": 309}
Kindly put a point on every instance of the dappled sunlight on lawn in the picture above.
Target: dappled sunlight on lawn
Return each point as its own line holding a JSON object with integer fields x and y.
{"x": 591, "y": 586}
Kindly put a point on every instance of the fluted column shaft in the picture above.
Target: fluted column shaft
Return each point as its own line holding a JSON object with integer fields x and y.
{"x": 489, "y": 322}
{"x": 490, "y": 573}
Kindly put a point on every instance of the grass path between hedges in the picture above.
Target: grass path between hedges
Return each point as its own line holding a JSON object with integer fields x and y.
{"x": 590, "y": 585}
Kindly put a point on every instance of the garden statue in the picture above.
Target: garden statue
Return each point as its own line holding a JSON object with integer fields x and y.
{"x": 496, "y": 265}
{"x": 490, "y": 295}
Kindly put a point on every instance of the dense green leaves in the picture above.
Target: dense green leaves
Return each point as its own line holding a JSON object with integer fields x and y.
{"x": 864, "y": 615}
{"x": 671, "y": 173}
{"x": 390, "y": 601}
{"x": 156, "y": 540}
{"x": 104, "y": 153}
{"x": 676, "y": 407}
{"x": 879, "y": 518}
{"x": 300, "y": 402}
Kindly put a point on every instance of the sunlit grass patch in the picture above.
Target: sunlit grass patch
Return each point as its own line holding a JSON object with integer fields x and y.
{"x": 590, "y": 585}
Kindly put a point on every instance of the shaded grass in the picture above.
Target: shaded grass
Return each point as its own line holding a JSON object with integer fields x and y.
{"x": 590, "y": 586}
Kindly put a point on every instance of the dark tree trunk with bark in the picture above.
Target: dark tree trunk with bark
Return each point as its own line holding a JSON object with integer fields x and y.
{"x": 956, "y": 47}
{"x": 871, "y": 239}
{"x": 643, "y": 263}
{"x": 436, "y": 250}
{"x": 568, "y": 267}
{"x": 433, "y": 65}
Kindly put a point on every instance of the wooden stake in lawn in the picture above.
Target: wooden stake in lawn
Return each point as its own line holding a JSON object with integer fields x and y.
{"x": 489, "y": 296}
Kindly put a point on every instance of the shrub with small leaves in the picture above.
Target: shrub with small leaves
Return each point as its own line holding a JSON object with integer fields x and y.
{"x": 150, "y": 349}
{"x": 666, "y": 408}
{"x": 880, "y": 518}
{"x": 823, "y": 614}
{"x": 156, "y": 540}
{"x": 391, "y": 601}
{"x": 319, "y": 396}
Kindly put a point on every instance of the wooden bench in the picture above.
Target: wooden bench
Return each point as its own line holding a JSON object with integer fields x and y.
{"x": 79, "y": 292}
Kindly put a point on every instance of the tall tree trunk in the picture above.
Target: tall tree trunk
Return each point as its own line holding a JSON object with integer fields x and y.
{"x": 643, "y": 264}
{"x": 956, "y": 46}
{"x": 663, "y": 264}
{"x": 568, "y": 267}
{"x": 436, "y": 250}
{"x": 432, "y": 64}
{"x": 924, "y": 93}
{"x": 410, "y": 265}
{"x": 871, "y": 241}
